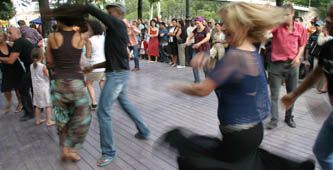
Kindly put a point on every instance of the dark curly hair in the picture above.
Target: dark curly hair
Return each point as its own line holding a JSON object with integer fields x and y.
{"x": 96, "y": 27}
{"x": 70, "y": 15}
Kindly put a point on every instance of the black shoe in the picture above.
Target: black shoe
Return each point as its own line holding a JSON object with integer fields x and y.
{"x": 135, "y": 69}
{"x": 290, "y": 122}
{"x": 26, "y": 118}
{"x": 93, "y": 106}
{"x": 141, "y": 136}
{"x": 271, "y": 125}
{"x": 307, "y": 165}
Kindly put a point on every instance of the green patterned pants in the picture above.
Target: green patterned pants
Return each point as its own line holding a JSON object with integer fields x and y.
{"x": 71, "y": 111}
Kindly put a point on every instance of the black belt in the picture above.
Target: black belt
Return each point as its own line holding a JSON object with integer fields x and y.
{"x": 283, "y": 62}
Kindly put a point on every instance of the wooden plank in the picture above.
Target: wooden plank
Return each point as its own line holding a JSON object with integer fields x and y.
{"x": 162, "y": 109}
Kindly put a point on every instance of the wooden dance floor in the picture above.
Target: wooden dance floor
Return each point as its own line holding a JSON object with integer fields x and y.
{"x": 25, "y": 146}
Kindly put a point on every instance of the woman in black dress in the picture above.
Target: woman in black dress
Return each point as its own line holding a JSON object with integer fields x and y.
{"x": 9, "y": 75}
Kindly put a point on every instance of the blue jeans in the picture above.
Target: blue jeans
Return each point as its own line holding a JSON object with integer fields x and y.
{"x": 196, "y": 73}
{"x": 136, "y": 55}
{"x": 323, "y": 148}
{"x": 163, "y": 53}
{"x": 114, "y": 89}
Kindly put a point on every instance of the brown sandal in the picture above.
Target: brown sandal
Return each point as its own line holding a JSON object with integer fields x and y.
{"x": 19, "y": 108}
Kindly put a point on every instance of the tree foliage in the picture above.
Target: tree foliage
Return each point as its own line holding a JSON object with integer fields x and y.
{"x": 175, "y": 8}
{"x": 7, "y": 10}
{"x": 321, "y": 5}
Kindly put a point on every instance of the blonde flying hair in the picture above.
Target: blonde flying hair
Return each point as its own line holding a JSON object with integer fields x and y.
{"x": 244, "y": 20}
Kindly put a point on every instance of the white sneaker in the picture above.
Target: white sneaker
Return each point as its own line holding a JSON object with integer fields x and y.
{"x": 181, "y": 67}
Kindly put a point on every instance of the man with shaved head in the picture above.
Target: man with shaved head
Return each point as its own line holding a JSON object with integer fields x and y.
{"x": 21, "y": 51}
{"x": 323, "y": 147}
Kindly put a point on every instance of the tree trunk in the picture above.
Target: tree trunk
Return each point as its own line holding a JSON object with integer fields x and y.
{"x": 187, "y": 9}
{"x": 159, "y": 9}
{"x": 151, "y": 11}
{"x": 43, "y": 8}
{"x": 140, "y": 9}
{"x": 279, "y": 2}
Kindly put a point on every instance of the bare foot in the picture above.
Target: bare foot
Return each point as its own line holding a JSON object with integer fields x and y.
{"x": 50, "y": 123}
{"x": 6, "y": 109}
{"x": 70, "y": 154}
{"x": 39, "y": 122}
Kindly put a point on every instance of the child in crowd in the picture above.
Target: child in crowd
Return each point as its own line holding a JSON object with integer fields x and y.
{"x": 41, "y": 88}
{"x": 143, "y": 45}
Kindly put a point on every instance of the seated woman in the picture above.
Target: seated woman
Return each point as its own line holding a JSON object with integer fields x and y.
{"x": 243, "y": 102}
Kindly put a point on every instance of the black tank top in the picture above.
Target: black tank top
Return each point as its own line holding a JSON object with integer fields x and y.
{"x": 67, "y": 59}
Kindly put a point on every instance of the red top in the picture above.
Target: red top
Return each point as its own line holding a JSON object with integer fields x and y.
{"x": 152, "y": 32}
{"x": 199, "y": 36}
{"x": 285, "y": 45}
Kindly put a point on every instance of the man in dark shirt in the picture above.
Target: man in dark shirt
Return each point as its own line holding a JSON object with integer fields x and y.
{"x": 117, "y": 66}
{"x": 21, "y": 51}
{"x": 323, "y": 148}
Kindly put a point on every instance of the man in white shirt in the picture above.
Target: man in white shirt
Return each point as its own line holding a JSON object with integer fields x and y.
{"x": 189, "y": 49}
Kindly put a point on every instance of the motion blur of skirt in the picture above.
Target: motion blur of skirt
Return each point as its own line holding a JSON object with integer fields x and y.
{"x": 95, "y": 76}
{"x": 237, "y": 151}
{"x": 71, "y": 111}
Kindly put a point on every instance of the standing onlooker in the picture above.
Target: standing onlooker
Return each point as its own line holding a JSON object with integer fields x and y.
{"x": 153, "y": 44}
{"x": 217, "y": 51}
{"x": 163, "y": 38}
{"x": 313, "y": 46}
{"x": 21, "y": 51}
{"x": 29, "y": 33}
{"x": 8, "y": 72}
{"x": 201, "y": 45}
{"x": 133, "y": 33}
{"x": 41, "y": 88}
{"x": 141, "y": 25}
{"x": 288, "y": 45}
{"x": 181, "y": 39}
{"x": 97, "y": 55}
{"x": 143, "y": 45}
{"x": 323, "y": 37}
{"x": 188, "y": 49}
{"x": 323, "y": 148}
{"x": 211, "y": 25}
{"x": 173, "y": 51}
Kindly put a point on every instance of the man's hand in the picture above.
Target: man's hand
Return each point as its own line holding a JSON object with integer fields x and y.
{"x": 288, "y": 100}
{"x": 296, "y": 62}
{"x": 88, "y": 69}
